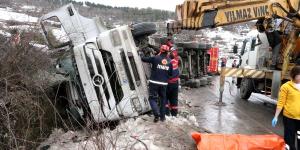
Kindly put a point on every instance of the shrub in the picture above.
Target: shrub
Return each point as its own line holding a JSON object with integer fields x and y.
{"x": 26, "y": 112}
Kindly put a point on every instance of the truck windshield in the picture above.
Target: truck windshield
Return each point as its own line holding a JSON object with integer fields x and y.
{"x": 55, "y": 33}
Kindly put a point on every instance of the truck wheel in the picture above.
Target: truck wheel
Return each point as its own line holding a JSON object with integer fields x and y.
{"x": 143, "y": 29}
{"x": 246, "y": 88}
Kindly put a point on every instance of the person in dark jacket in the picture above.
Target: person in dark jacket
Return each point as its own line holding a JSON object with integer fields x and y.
{"x": 235, "y": 49}
{"x": 173, "y": 84}
{"x": 234, "y": 64}
{"x": 274, "y": 39}
{"x": 161, "y": 70}
{"x": 223, "y": 63}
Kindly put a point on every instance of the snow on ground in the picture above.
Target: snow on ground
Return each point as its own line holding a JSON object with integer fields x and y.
{"x": 222, "y": 34}
{"x": 8, "y": 15}
{"x": 226, "y": 40}
{"x": 6, "y": 34}
{"x": 21, "y": 27}
{"x": 135, "y": 134}
{"x": 28, "y": 7}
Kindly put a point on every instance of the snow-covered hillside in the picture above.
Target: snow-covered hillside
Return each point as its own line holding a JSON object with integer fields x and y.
{"x": 12, "y": 19}
{"x": 17, "y": 19}
{"x": 8, "y": 14}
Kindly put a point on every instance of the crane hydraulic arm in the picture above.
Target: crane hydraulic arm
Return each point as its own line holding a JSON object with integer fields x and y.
{"x": 197, "y": 14}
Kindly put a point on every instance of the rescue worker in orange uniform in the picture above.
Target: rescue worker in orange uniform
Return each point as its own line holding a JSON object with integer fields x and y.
{"x": 173, "y": 83}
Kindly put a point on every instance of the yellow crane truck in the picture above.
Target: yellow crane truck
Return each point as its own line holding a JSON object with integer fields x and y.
{"x": 200, "y": 14}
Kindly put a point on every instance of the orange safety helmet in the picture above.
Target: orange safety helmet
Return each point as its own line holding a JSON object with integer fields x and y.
{"x": 164, "y": 48}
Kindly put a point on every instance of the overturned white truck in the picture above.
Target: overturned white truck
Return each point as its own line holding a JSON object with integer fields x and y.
{"x": 104, "y": 78}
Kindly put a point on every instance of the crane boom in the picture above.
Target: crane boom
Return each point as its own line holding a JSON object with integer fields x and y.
{"x": 198, "y": 14}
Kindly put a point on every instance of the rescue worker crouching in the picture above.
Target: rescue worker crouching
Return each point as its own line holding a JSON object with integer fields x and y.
{"x": 161, "y": 70}
{"x": 173, "y": 84}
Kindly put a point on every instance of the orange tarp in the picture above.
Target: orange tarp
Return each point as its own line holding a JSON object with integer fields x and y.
{"x": 238, "y": 142}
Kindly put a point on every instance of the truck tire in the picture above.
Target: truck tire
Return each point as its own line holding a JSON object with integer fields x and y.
{"x": 143, "y": 29}
{"x": 246, "y": 88}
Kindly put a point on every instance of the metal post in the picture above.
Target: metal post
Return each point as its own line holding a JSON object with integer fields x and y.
{"x": 276, "y": 83}
{"x": 222, "y": 83}
{"x": 190, "y": 63}
{"x": 198, "y": 63}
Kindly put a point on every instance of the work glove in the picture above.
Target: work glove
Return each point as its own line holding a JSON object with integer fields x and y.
{"x": 274, "y": 121}
{"x": 141, "y": 53}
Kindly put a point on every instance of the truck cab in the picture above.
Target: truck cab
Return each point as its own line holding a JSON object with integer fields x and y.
{"x": 103, "y": 78}
{"x": 255, "y": 51}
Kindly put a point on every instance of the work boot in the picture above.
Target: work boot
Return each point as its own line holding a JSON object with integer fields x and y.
{"x": 174, "y": 113}
{"x": 168, "y": 112}
{"x": 163, "y": 119}
{"x": 156, "y": 119}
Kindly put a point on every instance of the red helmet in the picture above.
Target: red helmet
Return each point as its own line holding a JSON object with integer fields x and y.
{"x": 164, "y": 48}
{"x": 170, "y": 44}
{"x": 175, "y": 53}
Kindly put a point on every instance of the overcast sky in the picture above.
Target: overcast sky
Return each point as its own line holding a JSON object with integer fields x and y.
{"x": 156, "y": 4}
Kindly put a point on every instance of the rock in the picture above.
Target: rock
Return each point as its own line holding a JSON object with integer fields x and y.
{"x": 45, "y": 147}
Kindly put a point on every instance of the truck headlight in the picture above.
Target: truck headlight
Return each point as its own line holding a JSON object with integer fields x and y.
{"x": 135, "y": 103}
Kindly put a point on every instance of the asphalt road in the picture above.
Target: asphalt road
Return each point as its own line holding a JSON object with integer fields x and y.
{"x": 237, "y": 116}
